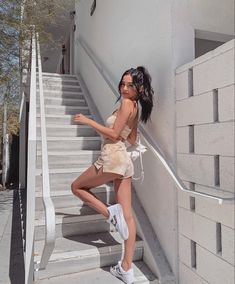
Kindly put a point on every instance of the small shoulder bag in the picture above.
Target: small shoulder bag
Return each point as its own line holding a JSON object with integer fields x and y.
{"x": 135, "y": 152}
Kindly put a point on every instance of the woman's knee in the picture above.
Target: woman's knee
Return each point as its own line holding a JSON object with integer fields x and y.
{"x": 75, "y": 188}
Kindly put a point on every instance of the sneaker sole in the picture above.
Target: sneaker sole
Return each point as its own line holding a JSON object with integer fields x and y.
{"x": 113, "y": 272}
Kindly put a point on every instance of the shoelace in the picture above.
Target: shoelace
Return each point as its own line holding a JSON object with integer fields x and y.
{"x": 114, "y": 220}
{"x": 117, "y": 269}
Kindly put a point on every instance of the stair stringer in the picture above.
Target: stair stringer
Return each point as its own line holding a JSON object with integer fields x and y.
{"x": 154, "y": 255}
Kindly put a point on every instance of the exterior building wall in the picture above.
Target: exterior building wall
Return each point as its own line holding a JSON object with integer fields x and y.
{"x": 205, "y": 161}
{"x": 124, "y": 34}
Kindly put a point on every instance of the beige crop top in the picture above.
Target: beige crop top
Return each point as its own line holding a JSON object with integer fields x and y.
{"x": 126, "y": 130}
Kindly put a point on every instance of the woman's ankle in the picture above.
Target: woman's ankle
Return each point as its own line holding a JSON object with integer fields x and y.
{"x": 126, "y": 265}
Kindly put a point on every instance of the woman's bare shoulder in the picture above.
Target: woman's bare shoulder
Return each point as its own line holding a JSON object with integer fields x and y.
{"x": 126, "y": 103}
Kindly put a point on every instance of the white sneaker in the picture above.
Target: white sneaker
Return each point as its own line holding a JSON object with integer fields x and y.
{"x": 126, "y": 276}
{"x": 117, "y": 219}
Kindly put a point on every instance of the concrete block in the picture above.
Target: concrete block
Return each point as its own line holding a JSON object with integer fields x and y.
{"x": 186, "y": 223}
{"x": 185, "y": 250}
{"x": 227, "y": 173}
{"x": 222, "y": 213}
{"x": 214, "y": 269}
{"x": 228, "y": 247}
{"x": 188, "y": 275}
{"x": 182, "y": 85}
{"x": 182, "y": 139}
{"x": 226, "y": 102}
{"x": 198, "y": 228}
{"x": 183, "y": 198}
{"x": 214, "y": 139}
{"x": 216, "y": 72}
{"x": 196, "y": 168}
{"x": 195, "y": 110}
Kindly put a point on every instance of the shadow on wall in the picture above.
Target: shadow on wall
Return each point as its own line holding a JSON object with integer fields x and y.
{"x": 14, "y": 161}
{"x": 16, "y": 265}
{"x": 13, "y": 178}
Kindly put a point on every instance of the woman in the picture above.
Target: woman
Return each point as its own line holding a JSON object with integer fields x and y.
{"x": 115, "y": 165}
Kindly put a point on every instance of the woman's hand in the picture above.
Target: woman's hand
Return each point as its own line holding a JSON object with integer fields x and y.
{"x": 80, "y": 118}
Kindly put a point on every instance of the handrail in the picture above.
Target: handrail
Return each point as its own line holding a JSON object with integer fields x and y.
{"x": 31, "y": 170}
{"x": 147, "y": 138}
{"x": 47, "y": 201}
{"x": 31, "y": 173}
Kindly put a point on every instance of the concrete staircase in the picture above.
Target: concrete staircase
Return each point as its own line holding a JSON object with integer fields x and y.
{"x": 86, "y": 245}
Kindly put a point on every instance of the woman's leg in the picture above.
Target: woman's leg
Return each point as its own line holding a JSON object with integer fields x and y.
{"x": 123, "y": 196}
{"x": 89, "y": 179}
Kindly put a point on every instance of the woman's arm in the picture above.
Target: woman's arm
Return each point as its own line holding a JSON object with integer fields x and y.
{"x": 114, "y": 132}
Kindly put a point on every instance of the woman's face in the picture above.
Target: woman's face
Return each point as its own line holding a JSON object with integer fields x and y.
{"x": 127, "y": 89}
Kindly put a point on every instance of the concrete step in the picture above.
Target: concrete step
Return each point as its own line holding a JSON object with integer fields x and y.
{"x": 59, "y": 176}
{"x": 84, "y": 252}
{"x": 71, "y": 143}
{"x": 60, "y": 87}
{"x": 59, "y": 119}
{"x": 142, "y": 274}
{"x": 62, "y": 94}
{"x": 72, "y": 221}
{"x": 102, "y": 191}
{"x": 59, "y": 76}
{"x": 55, "y": 109}
{"x": 60, "y": 81}
{"x": 49, "y": 100}
{"x": 57, "y": 130}
{"x": 69, "y": 159}
{"x": 65, "y": 198}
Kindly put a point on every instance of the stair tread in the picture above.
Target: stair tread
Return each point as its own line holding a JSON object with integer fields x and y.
{"x": 54, "y": 125}
{"x": 62, "y": 170}
{"x": 59, "y": 79}
{"x": 50, "y": 74}
{"x": 63, "y": 91}
{"x": 51, "y": 138}
{"x": 45, "y": 83}
{"x": 61, "y": 99}
{"x": 60, "y": 115}
{"x": 69, "y": 152}
{"x": 70, "y": 215}
{"x": 84, "y": 245}
{"x": 68, "y": 107}
{"x": 142, "y": 273}
{"x": 106, "y": 188}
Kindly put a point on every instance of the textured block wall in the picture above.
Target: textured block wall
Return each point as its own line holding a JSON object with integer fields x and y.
{"x": 205, "y": 162}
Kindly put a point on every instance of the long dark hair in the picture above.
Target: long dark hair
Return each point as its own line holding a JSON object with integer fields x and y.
{"x": 142, "y": 82}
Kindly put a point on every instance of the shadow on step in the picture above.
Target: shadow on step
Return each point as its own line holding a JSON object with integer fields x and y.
{"x": 96, "y": 240}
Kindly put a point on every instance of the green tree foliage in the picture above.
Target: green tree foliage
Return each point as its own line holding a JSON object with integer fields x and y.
{"x": 17, "y": 20}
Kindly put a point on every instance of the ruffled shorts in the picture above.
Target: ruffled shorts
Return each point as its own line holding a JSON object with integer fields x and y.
{"x": 115, "y": 159}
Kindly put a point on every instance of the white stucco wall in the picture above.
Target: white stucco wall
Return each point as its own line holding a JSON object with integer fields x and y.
{"x": 124, "y": 34}
{"x": 212, "y": 15}
{"x": 160, "y": 36}
{"x": 205, "y": 161}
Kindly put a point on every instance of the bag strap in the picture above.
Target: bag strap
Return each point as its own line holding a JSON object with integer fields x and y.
{"x": 141, "y": 177}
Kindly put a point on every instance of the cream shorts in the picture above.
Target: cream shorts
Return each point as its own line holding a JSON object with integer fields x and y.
{"x": 114, "y": 159}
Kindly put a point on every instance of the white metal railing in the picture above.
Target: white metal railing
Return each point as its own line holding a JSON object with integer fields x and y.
{"x": 31, "y": 173}
{"x": 31, "y": 170}
{"x": 47, "y": 201}
{"x": 147, "y": 138}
